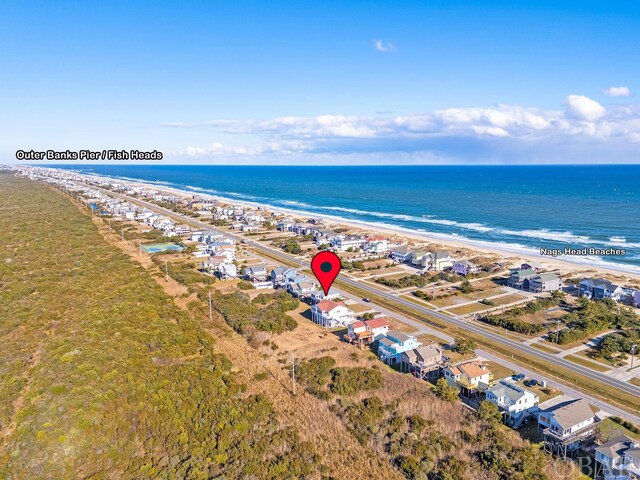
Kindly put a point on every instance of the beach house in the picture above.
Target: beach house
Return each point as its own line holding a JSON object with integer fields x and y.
{"x": 364, "y": 333}
{"x": 520, "y": 278}
{"x": 464, "y": 267}
{"x": 545, "y": 282}
{"x": 376, "y": 245}
{"x": 515, "y": 402}
{"x": 618, "y": 459}
{"x": 567, "y": 426}
{"x": 470, "y": 377}
{"x": 346, "y": 242}
{"x": 318, "y": 295}
{"x": 330, "y": 314}
{"x": 256, "y": 273}
{"x": 418, "y": 258}
{"x": 424, "y": 361}
{"x": 437, "y": 261}
{"x": 392, "y": 345}
{"x": 599, "y": 289}
{"x": 401, "y": 254}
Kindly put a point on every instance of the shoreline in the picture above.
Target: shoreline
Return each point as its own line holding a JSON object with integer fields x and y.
{"x": 507, "y": 252}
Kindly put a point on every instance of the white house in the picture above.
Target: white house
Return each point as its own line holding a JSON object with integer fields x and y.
{"x": 438, "y": 261}
{"x": 377, "y": 326}
{"x": 515, "y": 401}
{"x": 401, "y": 254}
{"x": 345, "y": 242}
{"x": 618, "y": 459}
{"x": 377, "y": 245}
{"x": 470, "y": 376}
{"x": 331, "y": 314}
{"x": 566, "y": 425}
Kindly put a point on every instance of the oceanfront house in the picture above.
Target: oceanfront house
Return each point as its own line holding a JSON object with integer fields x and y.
{"x": 545, "y": 282}
{"x": 330, "y": 314}
{"x": 438, "y": 261}
{"x": 424, "y": 361}
{"x": 257, "y": 273}
{"x": 515, "y": 402}
{"x": 520, "y": 278}
{"x": 376, "y": 245}
{"x": 392, "y": 345}
{"x": 471, "y": 377}
{"x": 464, "y": 267}
{"x": 567, "y": 426}
{"x": 599, "y": 289}
{"x": 285, "y": 224}
{"x": 348, "y": 242}
{"x": 324, "y": 236}
{"x": 618, "y": 459}
{"x": 535, "y": 266}
{"x": 418, "y": 259}
{"x": 318, "y": 295}
{"x": 401, "y": 254}
{"x": 364, "y": 333}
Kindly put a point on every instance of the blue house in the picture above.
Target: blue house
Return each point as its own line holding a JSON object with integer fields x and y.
{"x": 394, "y": 344}
{"x": 599, "y": 289}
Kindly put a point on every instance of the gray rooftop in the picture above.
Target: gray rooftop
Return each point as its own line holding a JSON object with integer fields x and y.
{"x": 570, "y": 413}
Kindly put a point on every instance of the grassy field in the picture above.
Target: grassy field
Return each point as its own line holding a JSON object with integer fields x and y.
{"x": 586, "y": 363}
{"x": 102, "y": 376}
{"x": 470, "y": 308}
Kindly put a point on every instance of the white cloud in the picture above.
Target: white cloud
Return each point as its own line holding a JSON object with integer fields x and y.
{"x": 381, "y": 46}
{"x": 617, "y": 91}
{"x": 585, "y": 108}
{"x": 580, "y": 130}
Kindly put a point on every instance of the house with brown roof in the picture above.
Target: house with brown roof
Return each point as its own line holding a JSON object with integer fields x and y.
{"x": 470, "y": 377}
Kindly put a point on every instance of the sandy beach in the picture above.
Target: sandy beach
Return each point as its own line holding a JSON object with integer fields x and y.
{"x": 510, "y": 255}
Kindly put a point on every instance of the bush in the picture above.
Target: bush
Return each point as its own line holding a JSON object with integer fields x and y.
{"x": 245, "y": 285}
{"x": 446, "y": 392}
{"x": 347, "y": 381}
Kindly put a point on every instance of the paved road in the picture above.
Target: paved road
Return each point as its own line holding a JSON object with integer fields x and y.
{"x": 459, "y": 323}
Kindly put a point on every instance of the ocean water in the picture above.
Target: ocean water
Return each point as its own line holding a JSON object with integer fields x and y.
{"x": 522, "y": 208}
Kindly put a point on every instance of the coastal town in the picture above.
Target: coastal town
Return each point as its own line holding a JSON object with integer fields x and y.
{"x": 446, "y": 315}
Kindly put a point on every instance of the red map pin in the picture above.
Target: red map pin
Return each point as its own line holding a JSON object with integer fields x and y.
{"x": 326, "y": 266}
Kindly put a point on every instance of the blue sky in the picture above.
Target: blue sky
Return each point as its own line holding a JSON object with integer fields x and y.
{"x": 324, "y": 82}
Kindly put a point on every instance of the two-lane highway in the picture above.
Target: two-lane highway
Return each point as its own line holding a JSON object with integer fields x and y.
{"x": 461, "y": 324}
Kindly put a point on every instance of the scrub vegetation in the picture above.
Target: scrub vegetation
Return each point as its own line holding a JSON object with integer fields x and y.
{"x": 102, "y": 376}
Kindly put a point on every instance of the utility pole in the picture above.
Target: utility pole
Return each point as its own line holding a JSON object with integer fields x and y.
{"x": 633, "y": 354}
{"x": 210, "y": 308}
{"x": 166, "y": 274}
{"x": 558, "y": 330}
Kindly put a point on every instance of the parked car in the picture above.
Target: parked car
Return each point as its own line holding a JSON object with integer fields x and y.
{"x": 366, "y": 299}
{"x": 518, "y": 377}
{"x": 530, "y": 383}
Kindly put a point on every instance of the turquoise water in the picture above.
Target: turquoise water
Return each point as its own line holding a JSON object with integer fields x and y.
{"x": 523, "y": 207}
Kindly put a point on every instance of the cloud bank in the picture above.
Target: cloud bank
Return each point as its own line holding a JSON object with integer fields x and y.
{"x": 582, "y": 131}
